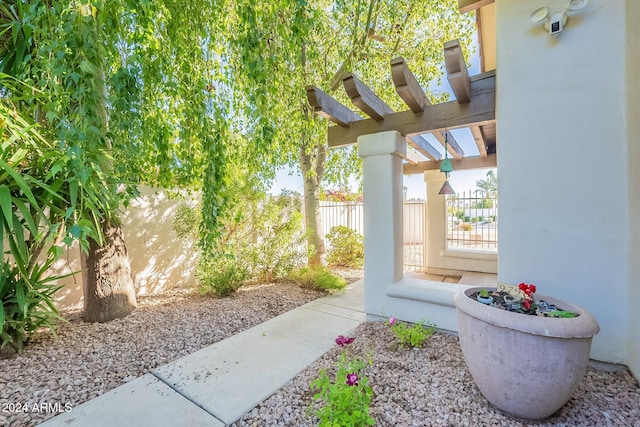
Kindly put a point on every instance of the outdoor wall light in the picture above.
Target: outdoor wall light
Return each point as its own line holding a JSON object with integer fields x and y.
{"x": 555, "y": 22}
{"x": 446, "y": 167}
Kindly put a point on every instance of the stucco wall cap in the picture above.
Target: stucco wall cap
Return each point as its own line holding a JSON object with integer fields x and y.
{"x": 382, "y": 143}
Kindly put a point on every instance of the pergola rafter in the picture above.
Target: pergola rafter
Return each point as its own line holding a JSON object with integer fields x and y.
{"x": 474, "y": 107}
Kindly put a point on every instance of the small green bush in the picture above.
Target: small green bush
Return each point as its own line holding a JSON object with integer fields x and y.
{"x": 318, "y": 278}
{"x": 221, "y": 274}
{"x": 411, "y": 336}
{"x": 347, "y": 247}
{"x": 265, "y": 232}
{"x": 26, "y": 305}
{"x": 345, "y": 402}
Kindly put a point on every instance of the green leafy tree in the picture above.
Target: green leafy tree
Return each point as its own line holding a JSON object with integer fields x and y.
{"x": 276, "y": 49}
{"x": 167, "y": 92}
{"x": 127, "y": 98}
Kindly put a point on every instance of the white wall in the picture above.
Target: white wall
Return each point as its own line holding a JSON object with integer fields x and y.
{"x": 633, "y": 157}
{"x": 159, "y": 259}
{"x": 564, "y": 175}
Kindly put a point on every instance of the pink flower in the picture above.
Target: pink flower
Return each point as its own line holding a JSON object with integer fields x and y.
{"x": 392, "y": 320}
{"x": 352, "y": 379}
{"x": 342, "y": 340}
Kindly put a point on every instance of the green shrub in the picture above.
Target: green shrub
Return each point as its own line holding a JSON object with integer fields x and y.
{"x": 346, "y": 400}
{"x": 277, "y": 244}
{"x": 347, "y": 247}
{"x": 266, "y": 233}
{"x": 26, "y": 302}
{"x": 411, "y": 336}
{"x": 221, "y": 274}
{"x": 317, "y": 278}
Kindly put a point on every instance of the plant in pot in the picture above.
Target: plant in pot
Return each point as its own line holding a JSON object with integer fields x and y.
{"x": 484, "y": 296}
{"x": 526, "y": 354}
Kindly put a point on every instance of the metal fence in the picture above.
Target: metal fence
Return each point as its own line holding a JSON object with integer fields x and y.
{"x": 351, "y": 214}
{"x": 472, "y": 221}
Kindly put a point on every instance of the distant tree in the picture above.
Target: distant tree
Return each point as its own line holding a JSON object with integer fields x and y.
{"x": 489, "y": 185}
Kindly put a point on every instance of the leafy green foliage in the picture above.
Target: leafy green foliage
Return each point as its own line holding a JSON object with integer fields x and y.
{"x": 262, "y": 240}
{"x": 35, "y": 218}
{"x": 318, "y": 278}
{"x": 221, "y": 274}
{"x": 277, "y": 234}
{"x": 485, "y": 203}
{"x": 26, "y": 305}
{"x": 344, "y": 404}
{"x": 276, "y": 49}
{"x": 347, "y": 247}
{"x": 489, "y": 185}
{"x": 411, "y": 335}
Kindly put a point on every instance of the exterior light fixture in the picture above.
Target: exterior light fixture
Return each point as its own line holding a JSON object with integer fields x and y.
{"x": 446, "y": 167}
{"x": 554, "y": 23}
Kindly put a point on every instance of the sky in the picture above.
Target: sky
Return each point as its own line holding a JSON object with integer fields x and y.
{"x": 416, "y": 189}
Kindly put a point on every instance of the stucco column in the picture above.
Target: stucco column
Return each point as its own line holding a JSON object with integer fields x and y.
{"x": 435, "y": 218}
{"x": 382, "y": 155}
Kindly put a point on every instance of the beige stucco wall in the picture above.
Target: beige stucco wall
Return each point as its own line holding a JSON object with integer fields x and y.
{"x": 563, "y": 159}
{"x": 160, "y": 260}
{"x": 633, "y": 159}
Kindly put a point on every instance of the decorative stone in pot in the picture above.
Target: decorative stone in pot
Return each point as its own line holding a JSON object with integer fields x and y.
{"x": 528, "y": 366}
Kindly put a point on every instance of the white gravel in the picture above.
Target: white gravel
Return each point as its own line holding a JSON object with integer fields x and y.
{"x": 89, "y": 359}
{"x": 431, "y": 386}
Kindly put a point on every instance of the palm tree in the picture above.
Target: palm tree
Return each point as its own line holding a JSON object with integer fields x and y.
{"x": 489, "y": 185}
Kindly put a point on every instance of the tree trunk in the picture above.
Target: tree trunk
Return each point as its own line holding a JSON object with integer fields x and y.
{"x": 106, "y": 274}
{"x": 312, "y": 167}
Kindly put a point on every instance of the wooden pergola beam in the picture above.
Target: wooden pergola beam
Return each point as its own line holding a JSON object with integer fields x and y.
{"x": 438, "y": 117}
{"x": 457, "y": 72}
{"x": 465, "y": 163}
{"x": 365, "y": 99}
{"x": 452, "y": 145}
{"x": 424, "y": 147}
{"x": 325, "y": 106}
{"x": 478, "y": 136}
{"x": 469, "y": 5}
{"x": 407, "y": 86}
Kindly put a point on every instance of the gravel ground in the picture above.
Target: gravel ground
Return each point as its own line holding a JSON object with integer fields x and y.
{"x": 426, "y": 387}
{"x": 89, "y": 359}
{"x": 431, "y": 386}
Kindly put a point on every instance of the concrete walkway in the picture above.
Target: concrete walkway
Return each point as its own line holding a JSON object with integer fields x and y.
{"x": 218, "y": 384}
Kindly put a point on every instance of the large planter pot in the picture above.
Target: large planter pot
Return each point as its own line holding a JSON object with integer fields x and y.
{"x": 528, "y": 366}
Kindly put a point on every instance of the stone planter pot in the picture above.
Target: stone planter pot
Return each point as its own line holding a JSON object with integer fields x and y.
{"x": 525, "y": 365}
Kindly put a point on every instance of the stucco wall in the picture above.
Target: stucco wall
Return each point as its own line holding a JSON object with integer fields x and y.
{"x": 633, "y": 157}
{"x": 159, "y": 259}
{"x": 564, "y": 175}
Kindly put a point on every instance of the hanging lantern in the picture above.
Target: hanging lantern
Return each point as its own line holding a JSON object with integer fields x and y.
{"x": 446, "y": 167}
